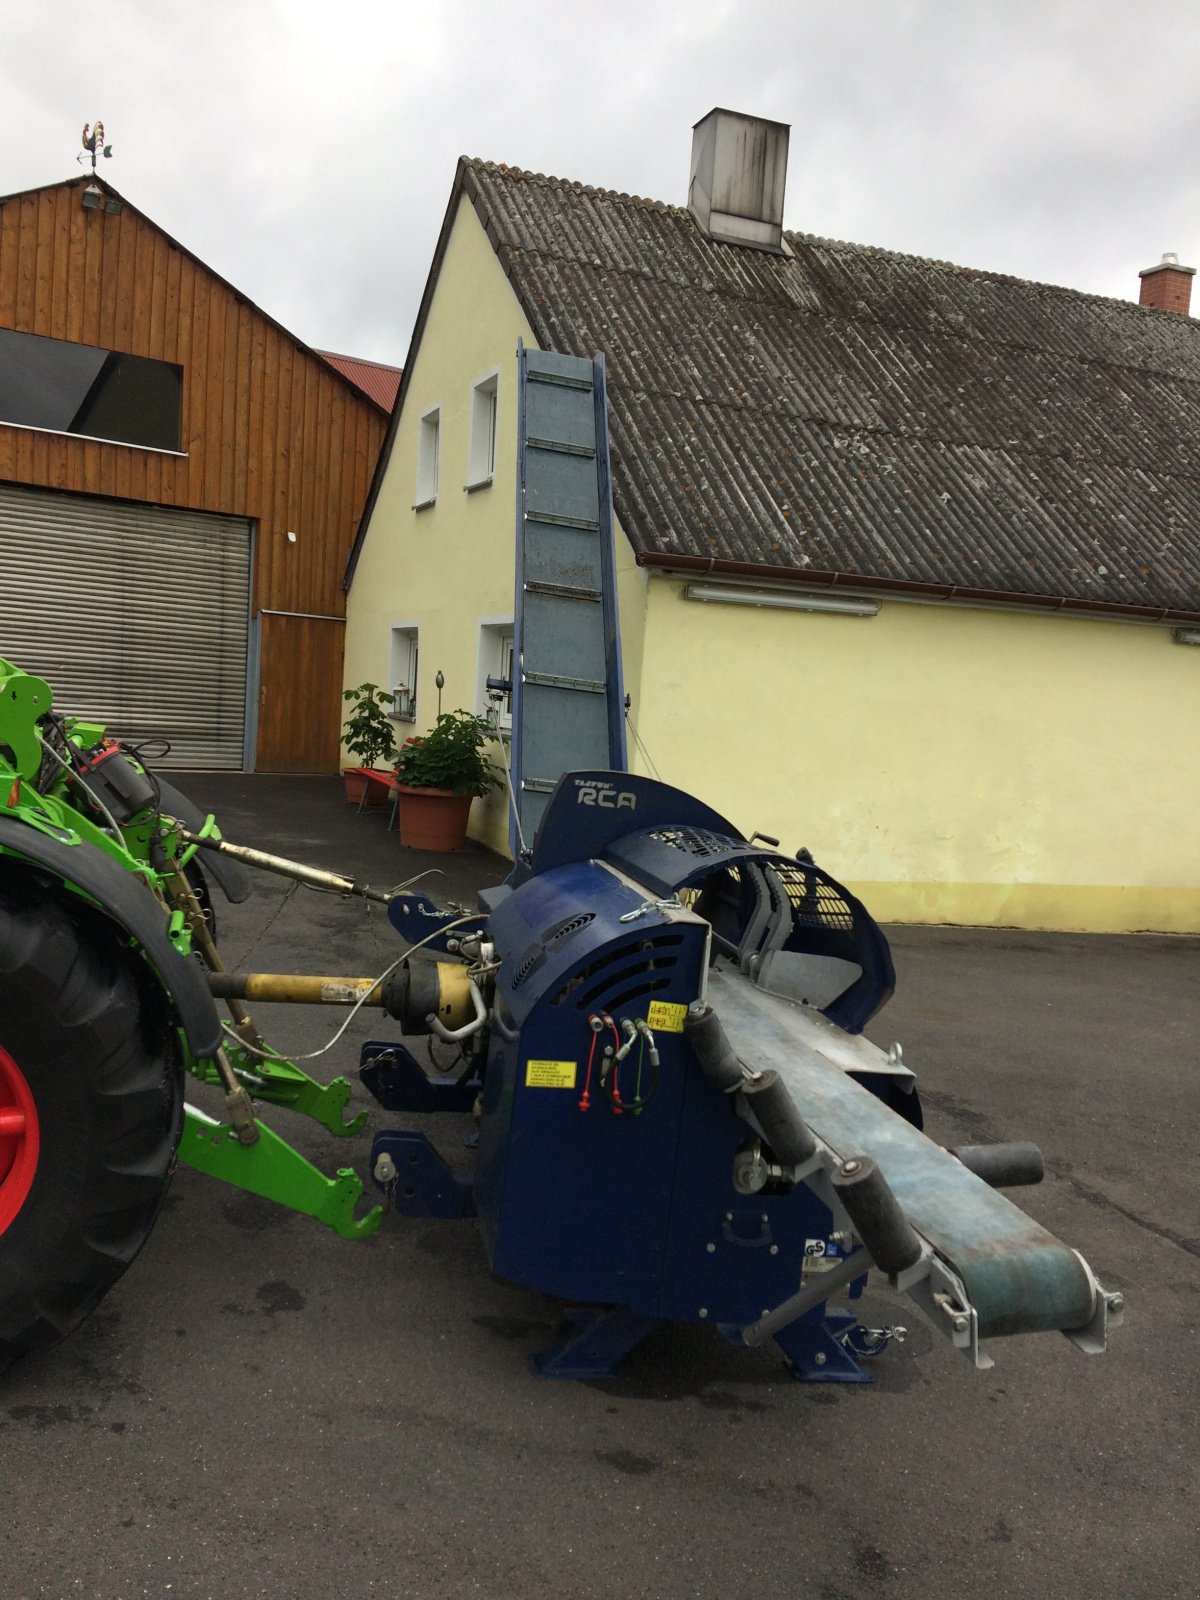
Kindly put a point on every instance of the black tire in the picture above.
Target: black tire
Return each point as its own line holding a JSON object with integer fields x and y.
{"x": 91, "y": 1034}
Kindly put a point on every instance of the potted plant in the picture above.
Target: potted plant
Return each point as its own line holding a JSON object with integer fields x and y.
{"x": 438, "y": 775}
{"x": 368, "y": 735}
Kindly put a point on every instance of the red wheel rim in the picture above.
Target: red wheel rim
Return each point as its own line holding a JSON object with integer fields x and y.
{"x": 18, "y": 1139}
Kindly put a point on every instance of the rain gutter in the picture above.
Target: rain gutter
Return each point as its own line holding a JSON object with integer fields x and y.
{"x": 909, "y": 589}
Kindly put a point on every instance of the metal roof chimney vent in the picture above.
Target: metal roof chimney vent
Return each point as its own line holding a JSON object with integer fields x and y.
{"x": 739, "y": 169}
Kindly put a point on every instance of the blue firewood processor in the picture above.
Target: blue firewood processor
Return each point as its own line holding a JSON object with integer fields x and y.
{"x": 656, "y": 1024}
{"x": 680, "y": 1119}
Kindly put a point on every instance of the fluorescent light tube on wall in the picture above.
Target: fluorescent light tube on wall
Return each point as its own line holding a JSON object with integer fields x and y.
{"x": 782, "y": 599}
{"x": 1186, "y": 635}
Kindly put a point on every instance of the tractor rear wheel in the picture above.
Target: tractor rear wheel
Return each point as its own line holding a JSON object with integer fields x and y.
{"x": 91, "y": 1101}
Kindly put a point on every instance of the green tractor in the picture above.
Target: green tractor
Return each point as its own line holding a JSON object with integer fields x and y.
{"x": 106, "y": 951}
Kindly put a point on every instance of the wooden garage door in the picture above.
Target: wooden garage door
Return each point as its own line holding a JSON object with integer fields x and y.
{"x": 137, "y": 616}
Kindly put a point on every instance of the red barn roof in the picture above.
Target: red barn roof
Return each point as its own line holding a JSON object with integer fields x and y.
{"x": 377, "y": 381}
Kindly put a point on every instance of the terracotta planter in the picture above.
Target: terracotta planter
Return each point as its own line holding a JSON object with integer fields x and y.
{"x": 433, "y": 819}
{"x": 377, "y": 793}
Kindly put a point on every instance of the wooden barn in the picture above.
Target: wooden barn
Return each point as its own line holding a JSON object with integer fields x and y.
{"x": 181, "y": 480}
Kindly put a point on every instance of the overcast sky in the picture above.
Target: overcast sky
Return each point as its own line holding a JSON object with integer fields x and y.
{"x": 306, "y": 152}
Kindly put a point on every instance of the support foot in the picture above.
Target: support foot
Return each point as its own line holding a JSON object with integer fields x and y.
{"x": 595, "y": 1349}
{"x": 814, "y": 1349}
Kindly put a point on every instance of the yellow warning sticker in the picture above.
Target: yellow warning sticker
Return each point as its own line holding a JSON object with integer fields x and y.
{"x": 550, "y": 1074}
{"x": 664, "y": 1016}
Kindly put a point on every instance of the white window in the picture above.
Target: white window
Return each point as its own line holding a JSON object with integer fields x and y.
{"x": 496, "y": 661}
{"x": 481, "y": 458}
{"x": 404, "y": 674}
{"x": 428, "y": 446}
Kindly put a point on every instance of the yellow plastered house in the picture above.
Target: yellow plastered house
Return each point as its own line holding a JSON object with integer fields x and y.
{"x": 908, "y": 553}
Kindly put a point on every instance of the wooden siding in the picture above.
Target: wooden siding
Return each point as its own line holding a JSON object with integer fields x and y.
{"x": 269, "y": 431}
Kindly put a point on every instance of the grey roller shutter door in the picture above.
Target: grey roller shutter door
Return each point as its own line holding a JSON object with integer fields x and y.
{"x": 136, "y": 615}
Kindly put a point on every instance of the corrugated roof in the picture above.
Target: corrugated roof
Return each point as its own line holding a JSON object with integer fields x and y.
{"x": 378, "y": 382}
{"x": 853, "y": 411}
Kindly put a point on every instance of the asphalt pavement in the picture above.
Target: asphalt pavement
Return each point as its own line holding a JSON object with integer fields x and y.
{"x": 261, "y": 1409}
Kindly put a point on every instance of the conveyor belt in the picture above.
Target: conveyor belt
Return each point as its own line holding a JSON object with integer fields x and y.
{"x": 568, "y": 703}
{"x": 1019, "y": 1277}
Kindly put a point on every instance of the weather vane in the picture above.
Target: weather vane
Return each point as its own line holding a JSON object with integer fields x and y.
{"x": 93, "y": 143}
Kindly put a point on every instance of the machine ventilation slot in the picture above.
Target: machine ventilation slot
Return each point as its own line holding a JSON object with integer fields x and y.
{"x": 572, "y": 925}
{"x": 697, "y": 841}
{"x": 529, "y": 963}
{"x": 815, "y": 903}
{"x": 619, "y": 988}
{"x": 536, "y": 954}
{"x": 619, "y": 1002}
{"x": 620, "y": 975}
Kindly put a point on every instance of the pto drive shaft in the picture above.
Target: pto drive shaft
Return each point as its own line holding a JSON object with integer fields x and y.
{"x": 423, "y": 996}
{"x": 298, "y": 988}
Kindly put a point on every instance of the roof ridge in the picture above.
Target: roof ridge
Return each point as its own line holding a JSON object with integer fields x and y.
{"x": 65, "y": 183}
{"x": 987, "y": 273}
{"x": 504, "y": 170}
{"x": 362, "y": 361}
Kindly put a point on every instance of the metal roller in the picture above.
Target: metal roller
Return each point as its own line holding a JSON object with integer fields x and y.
{"x": 703, "y": 1030}
{"x": 767, "y": 1098}
{"x": 877, "y": 1216}
{"x": 1010, "y": 1165}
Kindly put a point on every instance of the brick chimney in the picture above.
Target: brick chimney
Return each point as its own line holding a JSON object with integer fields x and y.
{"x": 1168, "y": 286}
